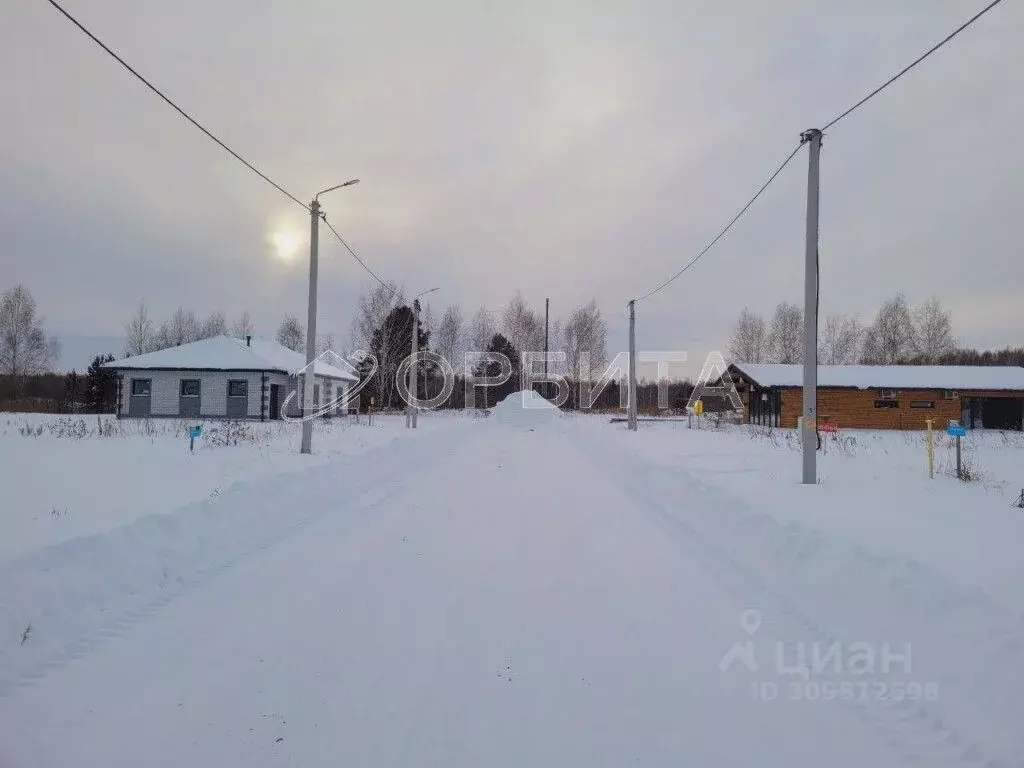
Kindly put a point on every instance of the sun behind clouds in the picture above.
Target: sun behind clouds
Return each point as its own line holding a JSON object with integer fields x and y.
{"x": 286, "y": 244}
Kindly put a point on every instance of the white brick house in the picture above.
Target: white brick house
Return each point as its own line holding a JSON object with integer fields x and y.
{"x": 224, "y": 378}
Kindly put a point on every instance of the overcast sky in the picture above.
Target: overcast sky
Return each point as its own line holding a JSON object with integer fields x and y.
{"x": 567, "y": 149}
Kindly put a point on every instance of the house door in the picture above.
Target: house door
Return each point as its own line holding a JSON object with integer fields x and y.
{"x": 1002, "y": 413}
{"x": 190, "y": 397}
{"x": 140, "y": 402}
{"x": 275, "y": 401}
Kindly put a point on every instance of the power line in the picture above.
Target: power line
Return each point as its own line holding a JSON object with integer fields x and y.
{"x": 728, "y": 226}
{"x": 914, "y": 63}
{"x": 356, "y": 256}
{"x": 178, "y": 109}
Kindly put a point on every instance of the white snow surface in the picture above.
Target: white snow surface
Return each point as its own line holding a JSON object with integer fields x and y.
{"x": 526, "y": 409}
{"x": 472, "y": 593}
{"x": 952, "y": 377}
{"x": 225, "y": 353}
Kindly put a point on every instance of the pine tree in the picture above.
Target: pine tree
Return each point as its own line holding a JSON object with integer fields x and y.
{"x": 101, "y": 386}
{"x": 492, "y": 369}
{"x": 71, "y": 391}
{"x": 392, "y": 343}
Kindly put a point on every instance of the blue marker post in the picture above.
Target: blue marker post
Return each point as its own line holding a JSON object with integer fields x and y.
{"x": 193, "y": 433}
{"x": 957, "y": 430}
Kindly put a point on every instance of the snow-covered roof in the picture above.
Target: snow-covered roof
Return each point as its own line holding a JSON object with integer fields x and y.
{"x": 889, "y": 376}
{"x": 224, "y": 353}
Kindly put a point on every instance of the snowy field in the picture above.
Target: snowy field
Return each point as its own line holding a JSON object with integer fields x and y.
{"x": 526, "y": 589}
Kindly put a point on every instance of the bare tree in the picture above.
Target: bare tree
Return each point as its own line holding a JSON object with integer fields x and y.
{"x": 749, "y": 339}
{"x": 841, "y": 339}
{"x": 324, "y": 343}
{"x": 933, "y": 331}
{"x": 523, "y": 327}
{"x": 24, "y": 347}
{"x": 243, "y": 326}
{"x": 786, "y": 334}
{"x": 448, "y": 339}
{"x": 482, "y": 328}
{"x": 428, "y": 322}
{"x": 374, "y": 308}
{"x": 373, "y": 329}
{"x": 585, "y": 338}
{"x": 890, "y": 339}
{"x": 182, "y": 328}
{"x": 139, "y": 333}
{"x": 291, "y": 334}
{"x": 214, "y": 325}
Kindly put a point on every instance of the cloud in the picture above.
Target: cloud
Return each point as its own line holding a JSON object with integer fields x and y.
{"x": 570, "y": 150}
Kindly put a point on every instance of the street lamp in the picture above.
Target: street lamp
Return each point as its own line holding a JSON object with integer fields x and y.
{"x": 411, "y": 412}
{"x": 309, "y": 375}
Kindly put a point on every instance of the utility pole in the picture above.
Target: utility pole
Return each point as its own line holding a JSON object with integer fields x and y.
{"x": 631, "y": 403}
{"x": 411, "y": 412}
{"x": 308, "y": 378}
{"x": 547, "y": 306}
{"x": 810, "y": 410}
{"x": 413, "y": 369}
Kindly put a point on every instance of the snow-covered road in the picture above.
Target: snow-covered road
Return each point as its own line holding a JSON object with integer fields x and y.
{"x": 484, "y": 596}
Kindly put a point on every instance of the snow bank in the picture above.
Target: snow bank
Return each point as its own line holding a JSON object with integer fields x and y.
{"x": 61, "y": 601}
{"x": 525, "y": 409}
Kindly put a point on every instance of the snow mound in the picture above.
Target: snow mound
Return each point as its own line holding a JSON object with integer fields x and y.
{"x": 525, "y": 409}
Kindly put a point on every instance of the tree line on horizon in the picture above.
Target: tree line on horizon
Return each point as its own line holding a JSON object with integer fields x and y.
{"x": 382, "y": 324}
{"x": 899, "y": 335}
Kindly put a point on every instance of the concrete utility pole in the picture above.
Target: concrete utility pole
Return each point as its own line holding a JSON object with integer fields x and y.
{"x": 308, "y": 377}
{"x": 411, "y": 412}
{"x": 547, "y": 306}
{"x": 413, "y": 372}
{"x": 631, "y": 403}
{"x": 810, "y": 411}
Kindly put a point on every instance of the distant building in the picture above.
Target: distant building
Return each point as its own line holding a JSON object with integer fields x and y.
{"x": 885, "y": 396}
{"x": 224, "y": 378}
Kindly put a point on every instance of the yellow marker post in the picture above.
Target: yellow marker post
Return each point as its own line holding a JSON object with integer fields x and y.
{"x": 931, "y": 450}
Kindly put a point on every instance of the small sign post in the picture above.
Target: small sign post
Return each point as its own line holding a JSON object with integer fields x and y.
{"x": 930, "y": 445}
{"x": 193, "y": 433}
{"x": 698, "y": 408}
{"x": 957, "y": 430}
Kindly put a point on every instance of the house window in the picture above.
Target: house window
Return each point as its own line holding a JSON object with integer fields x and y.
{"x": 886, "y": 404}
{"x": 922, "y": 403}
{"x": 949, "y": 394}
{"x": 141, "y": 387}
{"x": 887, "y": 394}
{"x": 238, "y": 388}
{"x": 190, "y": 387}
{"x": 316, "y": 394}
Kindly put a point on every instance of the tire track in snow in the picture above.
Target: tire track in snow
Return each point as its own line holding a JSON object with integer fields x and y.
{"x": 92, "y": 628}
{"x": 916, "y": 733}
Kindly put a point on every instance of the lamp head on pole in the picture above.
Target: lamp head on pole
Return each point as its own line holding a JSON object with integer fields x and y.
{"x": 348, "y": 183}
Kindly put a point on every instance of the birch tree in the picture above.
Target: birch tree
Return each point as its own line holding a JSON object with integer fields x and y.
{"x": 786, "y": 334}
{"x": 243, "y": 326}
{"x": 890, "y": 339}
{"x": 749, "y": 339}
{"x": 933, "y": 331}
{"x": 139, "y": 333}
{"x": 841, "y": 340}
{"x": 24, "y": 346}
